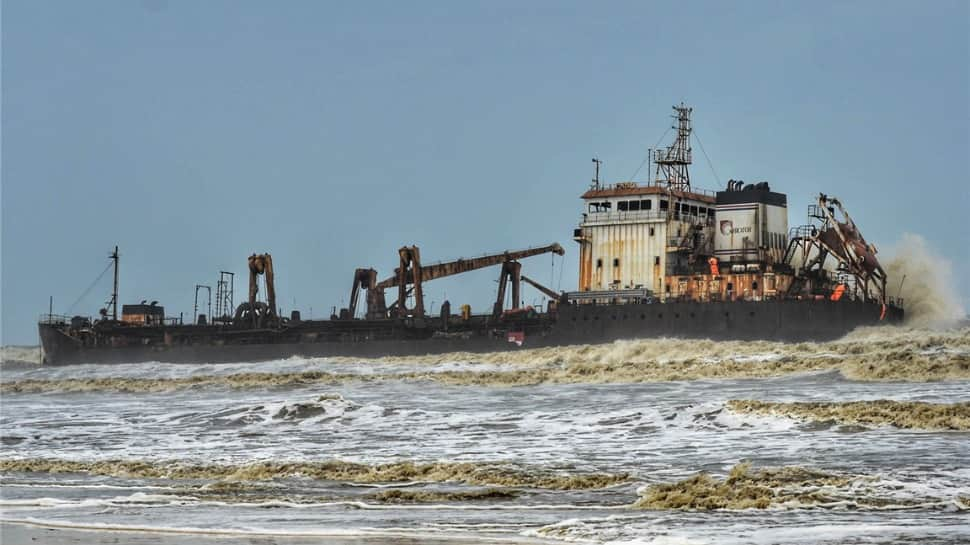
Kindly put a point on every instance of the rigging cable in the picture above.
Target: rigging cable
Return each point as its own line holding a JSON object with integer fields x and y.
{"x": 709, "y": 163}
{"x": 91, "y": 287}
{"x": 661, "y": 139}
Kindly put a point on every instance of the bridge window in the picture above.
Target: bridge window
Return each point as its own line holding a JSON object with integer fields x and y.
{"x": 634, "y": 205}
{"x": 622, "y": 206}
{"x": 646, "y": 204}
{"x": 664, "y": 205}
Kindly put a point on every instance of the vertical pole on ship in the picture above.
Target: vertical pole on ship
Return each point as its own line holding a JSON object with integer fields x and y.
{"x": 114, "y": 291}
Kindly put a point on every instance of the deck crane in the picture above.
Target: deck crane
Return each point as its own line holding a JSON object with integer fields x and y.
{"x": 836, "y": 235}
{"x": 252, "y": 312}
{"x": 553, "y": 296}
{"x": 410, "y": 276}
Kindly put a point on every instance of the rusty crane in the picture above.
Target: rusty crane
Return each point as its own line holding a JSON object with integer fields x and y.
{"x": 256, "y": 313}
{"x": 410, "y": 276}
{"x": 836, "y": 235}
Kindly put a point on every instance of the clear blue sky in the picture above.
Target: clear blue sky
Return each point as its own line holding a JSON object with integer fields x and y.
{"x": 192, "y": 134}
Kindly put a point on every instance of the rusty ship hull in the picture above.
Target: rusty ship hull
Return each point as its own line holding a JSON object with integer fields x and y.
{"x": 656, "y": 259}
{"x": 782, "y": 320}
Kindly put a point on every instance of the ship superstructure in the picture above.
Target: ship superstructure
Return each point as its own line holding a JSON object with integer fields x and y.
{"x": 668, "y": 240}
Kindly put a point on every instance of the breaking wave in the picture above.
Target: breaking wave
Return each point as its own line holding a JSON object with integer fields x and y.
{"x": 480, "y": 474}
{"x": 18, "y": 357}
{"x": 134, "y": 384}
{"x": 399, "y": 495}
{"x": 875, "y": 353}
{"x": 902, "y": 414}
{"x": 745, "y": 488}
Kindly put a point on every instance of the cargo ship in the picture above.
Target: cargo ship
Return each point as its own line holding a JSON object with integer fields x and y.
{"x": 656, "y": 259}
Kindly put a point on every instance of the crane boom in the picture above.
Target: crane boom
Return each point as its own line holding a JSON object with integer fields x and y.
{"x": 545, "y": 291}
{"x": 441, "y": 270}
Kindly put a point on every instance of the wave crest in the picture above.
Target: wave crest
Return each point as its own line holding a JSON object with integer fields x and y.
{"x": 481, "y": 474}
{"x": 902, "y": 414}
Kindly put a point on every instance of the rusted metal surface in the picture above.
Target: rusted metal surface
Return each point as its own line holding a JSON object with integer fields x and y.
{"x": 622, "y": 255}
{"x": 834, "y": 234}
{"x": 728, "y": 286}
{"x": 511, "y": 272}
{"x": 364, "y": 279}
{"x": 253, "y": 313}
{"x": 458, "y": 266}
{"x": 410, "y": 275}
{"x": 545, "y": 291}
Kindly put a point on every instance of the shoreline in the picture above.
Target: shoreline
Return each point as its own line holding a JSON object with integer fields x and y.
{"x": 22, "y": 532}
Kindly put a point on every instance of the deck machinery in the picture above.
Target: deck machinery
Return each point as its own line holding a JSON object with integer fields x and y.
{"x": 660, "y": 258}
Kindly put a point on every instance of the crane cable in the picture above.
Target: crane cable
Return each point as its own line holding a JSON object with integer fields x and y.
{"x": 562, "y": 265}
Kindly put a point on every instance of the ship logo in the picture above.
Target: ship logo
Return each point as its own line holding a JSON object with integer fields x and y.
{"x": 726, "y": 227}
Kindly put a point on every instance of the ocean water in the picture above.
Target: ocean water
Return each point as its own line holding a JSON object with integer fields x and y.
{"x": 867, "y": 440}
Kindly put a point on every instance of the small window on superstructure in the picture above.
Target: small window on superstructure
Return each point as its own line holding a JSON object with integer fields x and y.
{"x": 693, "y": 210}
{"x": 616, "y": 262}
{"x": 622, "y": 206}
{"x": 651, "y": 231}
{"x": 634, "y": 206}
{"x": 702, "y": 211}
{"x": 599, "y": 263}
{"x": 710, "y": 212}
{"x": 656, "y": 260}
{"x": 664, "y": 205}
{"x": 646, "y": 204}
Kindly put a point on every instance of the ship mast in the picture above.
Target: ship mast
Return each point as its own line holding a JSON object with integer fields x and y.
{"x": 672, "y": 162}
{"x": 114, "y": 290}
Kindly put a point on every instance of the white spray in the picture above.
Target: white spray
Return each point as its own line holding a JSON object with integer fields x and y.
{"x": 929, "y": 293}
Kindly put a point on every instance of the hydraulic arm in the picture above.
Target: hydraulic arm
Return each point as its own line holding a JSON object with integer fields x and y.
{"x": 410, "y": 275}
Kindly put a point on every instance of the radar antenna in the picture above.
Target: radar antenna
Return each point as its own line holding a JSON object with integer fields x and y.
{"x": 672, "y": 162}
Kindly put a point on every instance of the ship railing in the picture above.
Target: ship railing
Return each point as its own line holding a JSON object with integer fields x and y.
{"x": 696, "y": 219}
{"x": 54, "y": 319}
{"x": 609, "y": 217}
{"x": 663, "y": 185}
{"x": 652, "y": 215}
